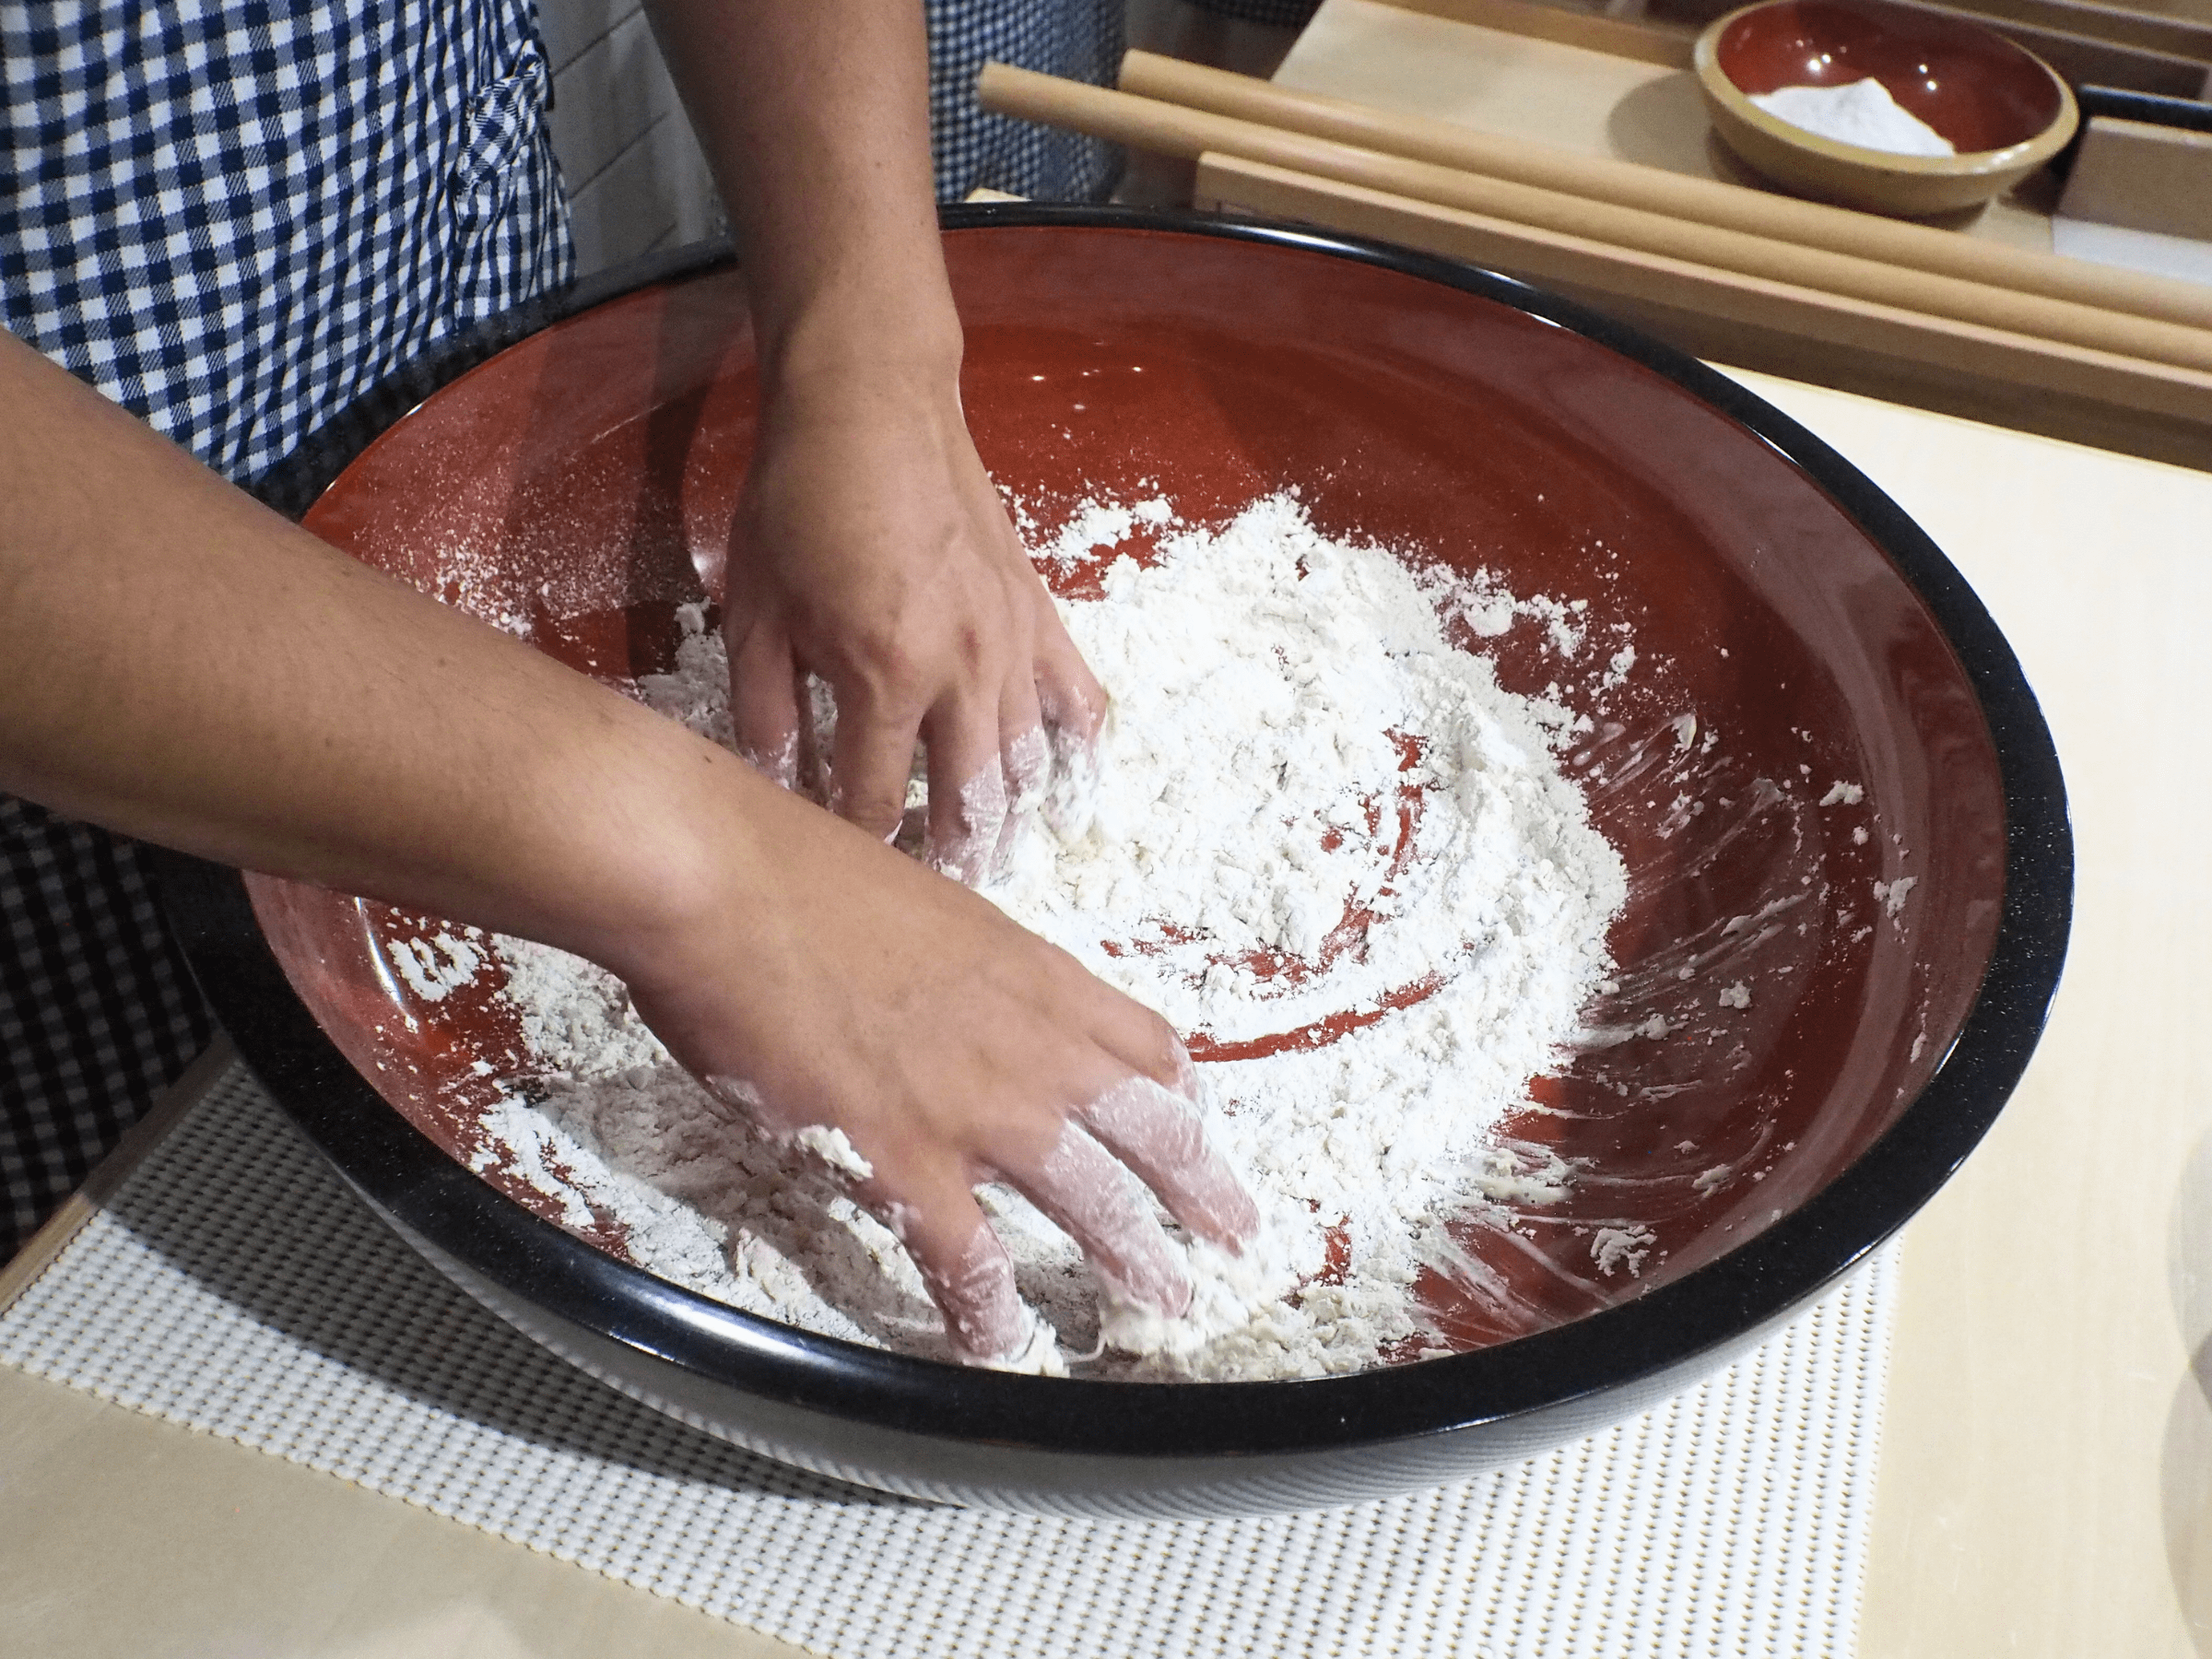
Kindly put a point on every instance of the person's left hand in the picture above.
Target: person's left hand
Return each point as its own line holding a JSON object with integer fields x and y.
{"x": 872, "y": 550}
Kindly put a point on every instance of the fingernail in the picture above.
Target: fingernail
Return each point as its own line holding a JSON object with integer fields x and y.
{"x": 1186, "y": 1072}
{"x": 1037, "y": 1353}
{"x": 1242, "y": 1224}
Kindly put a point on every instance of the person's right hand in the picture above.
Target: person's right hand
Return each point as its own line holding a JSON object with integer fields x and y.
{"x": 872, "y": 550}
{"x": 952, "y": 1047}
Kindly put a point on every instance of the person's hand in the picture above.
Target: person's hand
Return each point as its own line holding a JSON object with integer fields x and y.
{"x": 951, "y": 1047}
{"x": 234, "y": 687}
{"x": 872, "y": 550}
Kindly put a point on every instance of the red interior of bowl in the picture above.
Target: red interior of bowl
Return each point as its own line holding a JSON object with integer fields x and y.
{"x": 1975, "y": 88}
{"x": 580, "y": 486}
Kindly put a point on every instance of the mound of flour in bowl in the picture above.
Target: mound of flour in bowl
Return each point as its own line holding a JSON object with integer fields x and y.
{"x": 1321, "y": 840}
{"x": 1862, "y": 112}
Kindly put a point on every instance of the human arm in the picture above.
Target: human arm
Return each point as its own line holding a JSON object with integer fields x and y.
{"x": 184, "y": 665}
{"x": 870, "y": 548}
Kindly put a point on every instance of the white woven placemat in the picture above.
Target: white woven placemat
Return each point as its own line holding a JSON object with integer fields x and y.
{"x": 234, "y": 1285}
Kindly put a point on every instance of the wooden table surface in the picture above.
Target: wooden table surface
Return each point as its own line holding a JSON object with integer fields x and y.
{"x": 2046, "y": 1469}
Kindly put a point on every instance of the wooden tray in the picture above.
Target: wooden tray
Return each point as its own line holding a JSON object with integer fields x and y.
{"x": 1615, "y": 90}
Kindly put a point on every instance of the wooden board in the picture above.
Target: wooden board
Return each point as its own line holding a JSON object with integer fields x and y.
{"x": 1573, "y": 94}
{"x": 2053, "y": 32}
{"x": 2143, "y": 177}
{"x": 1637, "y": 26}
{"x": 2153, "y": 31}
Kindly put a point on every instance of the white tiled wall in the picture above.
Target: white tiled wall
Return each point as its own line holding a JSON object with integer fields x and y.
{"x": 636, "y": 179}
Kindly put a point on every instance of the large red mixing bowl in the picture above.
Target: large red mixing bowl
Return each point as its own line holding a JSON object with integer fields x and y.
{"x": 579, "y": 484}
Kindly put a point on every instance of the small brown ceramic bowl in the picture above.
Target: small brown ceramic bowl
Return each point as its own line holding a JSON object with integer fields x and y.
{"x": 2004, "y": 111}
{"x": 1864, "y": 827}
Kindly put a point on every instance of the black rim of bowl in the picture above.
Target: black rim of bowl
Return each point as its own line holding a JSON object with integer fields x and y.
{"x": 404, "y": 1174}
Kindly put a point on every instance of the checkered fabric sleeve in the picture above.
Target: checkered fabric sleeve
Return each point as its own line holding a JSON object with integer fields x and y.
{"x": 1079, "y": 39}
{"x": 234, "y": 217}
{"x": 231, "y": 217}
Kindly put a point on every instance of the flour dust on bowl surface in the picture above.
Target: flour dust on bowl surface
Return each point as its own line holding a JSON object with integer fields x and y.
{"x": 1842, "y": 866}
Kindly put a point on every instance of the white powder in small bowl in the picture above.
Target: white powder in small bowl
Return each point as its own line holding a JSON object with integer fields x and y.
{"x": 1861, "y": 113}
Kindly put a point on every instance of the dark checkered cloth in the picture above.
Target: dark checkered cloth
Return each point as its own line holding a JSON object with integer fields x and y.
{"x": 1080, "y": 39}
{"x": 97, "y": 1009}
{"x": 233, "y": 217}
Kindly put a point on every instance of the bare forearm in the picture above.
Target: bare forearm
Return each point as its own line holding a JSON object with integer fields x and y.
{"x": 185, "y": 666}
{"x": 814, "y": 117}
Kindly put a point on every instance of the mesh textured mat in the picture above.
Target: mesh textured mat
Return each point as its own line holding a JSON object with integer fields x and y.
{"x": 234, "y": 1285}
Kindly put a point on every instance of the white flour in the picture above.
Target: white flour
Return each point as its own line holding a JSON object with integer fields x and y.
{"x": 1861, "y": 113}
{"x": 1287, "y": 713}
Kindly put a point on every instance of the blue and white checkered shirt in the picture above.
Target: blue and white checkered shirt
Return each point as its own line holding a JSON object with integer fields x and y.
{"x": 1079, "y": 39}
{"x": 234, "y": 217}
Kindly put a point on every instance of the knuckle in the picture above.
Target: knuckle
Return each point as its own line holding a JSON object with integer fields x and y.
{"x": 972, "y": 647}
{"x": 884, "y": 660}
{"x": 872, "y": 810}
{"x": 1163, "y": 1052}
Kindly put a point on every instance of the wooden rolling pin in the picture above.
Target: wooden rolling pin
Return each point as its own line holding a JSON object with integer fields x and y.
{"x": 1703, "y": 201}
{"x": 1149, "y": 124}
{"x": 1881, "y": 350}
